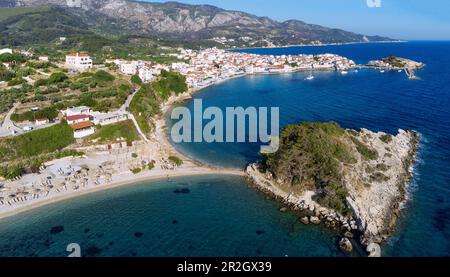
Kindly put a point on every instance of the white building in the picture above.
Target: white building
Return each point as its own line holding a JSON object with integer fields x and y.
{"x": 6, "y": 51}
{"x": 147, "y": 74}
{"x": 128, "y": 68}
{"x": 109, "y": 118}
{"x": 79, "y": 118}
{"x": 77, "y": 110}
{"x": 41, "y": 121}
{"x": 83, "y": 129}
{"x": 43, "y": 58}
{"x": 78, "y": 61}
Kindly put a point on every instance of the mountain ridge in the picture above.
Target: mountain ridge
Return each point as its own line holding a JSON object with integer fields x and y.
{"x": 179, "y": 21}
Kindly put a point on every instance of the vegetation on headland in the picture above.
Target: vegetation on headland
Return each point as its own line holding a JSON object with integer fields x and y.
{"x": 395, "y": 61}
{"x": 147, "y": 101}
{"x": 310, "y": 158}
{"x": 366, "y": 152}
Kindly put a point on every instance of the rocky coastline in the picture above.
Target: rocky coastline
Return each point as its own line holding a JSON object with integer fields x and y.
{"x": 375, "y": 206}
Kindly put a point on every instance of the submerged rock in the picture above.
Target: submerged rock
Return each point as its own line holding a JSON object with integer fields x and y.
{"x": 182, "y": 191}
{"x": 314, "y": 220}
{"x": 374, "y": 250}
{"x": 345, "y": 245}
{"x": 56, "y": 230}
{"x": 304, "y": 220}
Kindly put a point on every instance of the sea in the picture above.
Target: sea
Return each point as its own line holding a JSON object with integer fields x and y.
{"x": 223, "y": 215}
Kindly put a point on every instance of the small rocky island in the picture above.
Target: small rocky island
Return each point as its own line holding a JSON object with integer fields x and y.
{"x": 397, "y": 63}
{"x": 350, "y": 181}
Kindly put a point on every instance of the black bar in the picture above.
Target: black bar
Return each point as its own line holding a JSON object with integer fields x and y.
{"x": 233, "y": 265}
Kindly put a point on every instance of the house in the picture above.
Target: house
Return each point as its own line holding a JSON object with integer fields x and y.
{"x": 78, "y": 61}
{"x": 83, "y": 129}
{"x": 109, "y": 118}
{"x": 128, "y": 68}
{"x": 6, "y": 51}
{"x": 147, "y": 74}
{"x": 79, "y": 118}
{"x": 77, "y": 111}
{"x": 43, "y": 58}
{"x": 41, "y": 121}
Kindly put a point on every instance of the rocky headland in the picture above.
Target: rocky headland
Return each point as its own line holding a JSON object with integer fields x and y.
{"x": 353, "y": 182}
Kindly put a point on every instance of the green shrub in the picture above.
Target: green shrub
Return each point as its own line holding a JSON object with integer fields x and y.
{"x": 15, "y": 82}
{"x": 387, "y": 138}
{"x": 175, "y": 160}
{"x": 136, "y": 170}
{"x": 309, "y": 158}
{"x": 57, "y": 77}
{"x": 135, "y": 79}
{"x": 103, "y": 76}
{"x": 367, "y": 153}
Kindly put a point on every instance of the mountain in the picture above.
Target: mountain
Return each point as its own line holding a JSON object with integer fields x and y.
{"x": 182, "y": 22}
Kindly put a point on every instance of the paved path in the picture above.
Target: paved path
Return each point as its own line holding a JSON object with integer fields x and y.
{"x": 8, "y": 125}
{"x": 125, "y": 107}
{"x": 127, "y": 103}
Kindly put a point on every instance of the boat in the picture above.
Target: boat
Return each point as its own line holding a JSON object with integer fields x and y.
{"x": 309, "y": 78}
{"x": 344, "y": 72}
{"x": 382, "y": 71}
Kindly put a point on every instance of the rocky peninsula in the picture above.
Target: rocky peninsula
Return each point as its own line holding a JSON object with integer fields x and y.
{"x": 353, "y": 182}
{"x": 398, "y": 63}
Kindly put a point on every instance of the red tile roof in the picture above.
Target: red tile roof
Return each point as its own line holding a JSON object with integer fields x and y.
{"x": 79, "y": 55}
{"x": 82, "y": 125}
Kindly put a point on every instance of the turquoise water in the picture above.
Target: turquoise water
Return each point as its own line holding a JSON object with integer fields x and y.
{"x": 221, "y": 216}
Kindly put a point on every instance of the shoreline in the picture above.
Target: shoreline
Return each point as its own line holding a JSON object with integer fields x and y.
{"x": 162, "y": 148}
{"x": 321, "y": 45}
{"x": 139, "y": 180}
{"x": 359, "y": 227}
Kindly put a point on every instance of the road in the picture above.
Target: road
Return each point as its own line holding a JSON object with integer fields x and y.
{"x": 125, "y": 107}
{"x": 8, "y": 126}
{"x": 127, "y": 103}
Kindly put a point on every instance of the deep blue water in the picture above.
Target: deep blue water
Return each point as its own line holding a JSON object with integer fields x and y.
{"x": 365, "y": 99}
{"x": 221, "y": 216}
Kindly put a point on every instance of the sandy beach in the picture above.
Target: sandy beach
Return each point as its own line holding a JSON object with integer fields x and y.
{"x": 104, "y": 167}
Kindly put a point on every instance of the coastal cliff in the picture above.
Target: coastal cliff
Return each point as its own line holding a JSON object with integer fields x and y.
{"x": 350, "y": 181}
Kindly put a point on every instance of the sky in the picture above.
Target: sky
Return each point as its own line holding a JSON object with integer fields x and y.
{"x": 400, "y": 19}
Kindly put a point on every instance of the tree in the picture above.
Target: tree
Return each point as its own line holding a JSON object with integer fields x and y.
{"x": 135, "y": 79}
{"x": 57, "y": 77}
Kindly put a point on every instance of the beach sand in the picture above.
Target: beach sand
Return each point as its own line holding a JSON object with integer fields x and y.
{"x": 103, "y": 169}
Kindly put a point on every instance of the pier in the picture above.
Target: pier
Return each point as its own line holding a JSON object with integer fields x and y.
{"x": 410, "y": 73}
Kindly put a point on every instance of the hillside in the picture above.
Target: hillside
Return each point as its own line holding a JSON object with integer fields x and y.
{"x": 174, "y": 21}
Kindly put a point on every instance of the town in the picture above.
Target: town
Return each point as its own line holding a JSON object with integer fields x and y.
{"x": 201, "y": 69}
{"x": 70, "y": 124}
